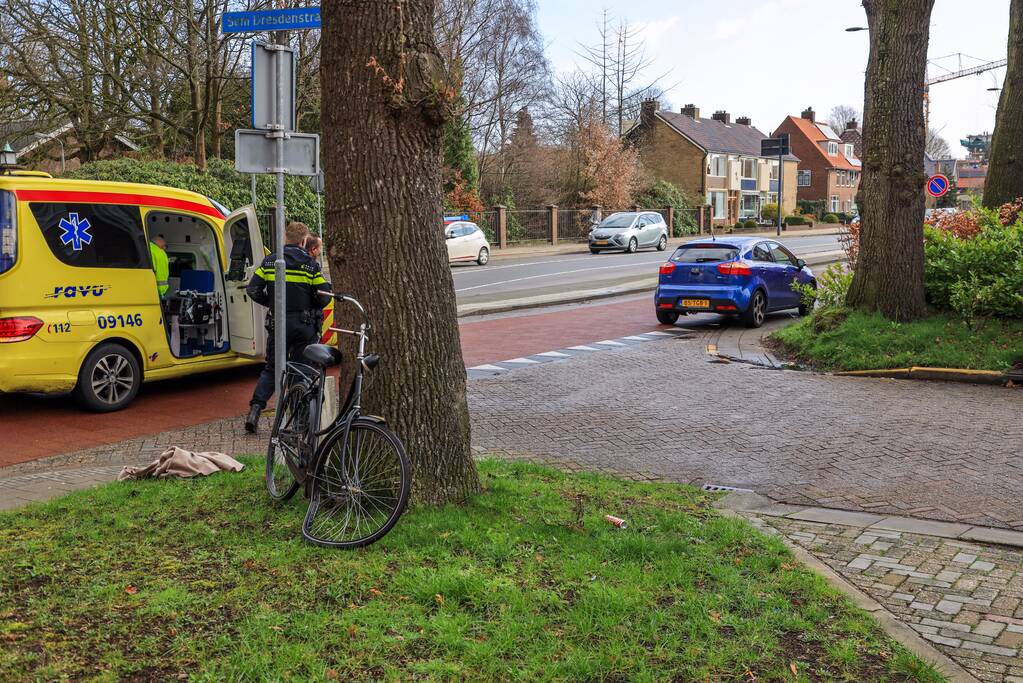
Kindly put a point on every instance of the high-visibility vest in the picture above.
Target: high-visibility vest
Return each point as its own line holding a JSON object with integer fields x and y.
{"x": 161, "y": 267}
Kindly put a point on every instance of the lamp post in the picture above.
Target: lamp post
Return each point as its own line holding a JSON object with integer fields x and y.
{"x": 853, "y": 29}
{"x": 8, "y": 158}
{"x": 44, "y": 138}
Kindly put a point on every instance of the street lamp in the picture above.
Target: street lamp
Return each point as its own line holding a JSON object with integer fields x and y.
{"x": 43, "y": 138}
{"x": 995, "y": 89}
{"x": 853, "y": 29}
{"x": 7, "y": 157}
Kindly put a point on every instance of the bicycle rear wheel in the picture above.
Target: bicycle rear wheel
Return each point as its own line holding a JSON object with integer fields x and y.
{"x": 360, "y": 488}
{"x": 288, "y": 440}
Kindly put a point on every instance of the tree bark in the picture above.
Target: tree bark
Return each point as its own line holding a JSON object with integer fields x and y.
{"x": 1004, "y": 181}
{"x": 890, "y": 269}
{"x": 384, "y": 105}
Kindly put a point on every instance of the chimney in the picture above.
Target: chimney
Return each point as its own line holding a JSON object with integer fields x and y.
{"x": 852, "y": 124}
{"x": 722, "y": 116}
{"x": 744, "y": 121}
{"x": 808, "y": 114}
{"x": 647, "y": 109}
{"x": 692, "y": 111}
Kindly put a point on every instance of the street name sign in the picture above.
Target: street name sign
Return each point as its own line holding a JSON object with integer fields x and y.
{"x": 271, "y": 20}
{"x": 937, "y": 185}
{"x": 265, "y": 87}
{"x": 775, "y": 147}
{"x": 255, "y": 152}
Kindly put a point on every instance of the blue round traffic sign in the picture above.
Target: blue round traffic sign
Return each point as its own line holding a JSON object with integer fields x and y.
{"x": 937, "y": 185}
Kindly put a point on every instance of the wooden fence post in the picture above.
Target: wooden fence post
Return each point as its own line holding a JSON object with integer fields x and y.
{"x": 552, "y": 222}
{"x": 702, "y": 218}
{"x": 502, "y": 226}
{"x": 669, "y": 213}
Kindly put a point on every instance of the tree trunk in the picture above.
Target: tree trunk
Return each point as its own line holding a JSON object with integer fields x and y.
{"x": 890, "y": 269}
{"x": 1004, "y": 181}
{"x": 384, "y": 105}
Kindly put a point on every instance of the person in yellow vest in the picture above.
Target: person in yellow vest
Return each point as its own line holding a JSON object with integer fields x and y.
{"x": 161, "y": 266}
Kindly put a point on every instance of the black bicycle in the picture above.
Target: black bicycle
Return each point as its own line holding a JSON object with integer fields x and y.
{"x": 355, "y": 470}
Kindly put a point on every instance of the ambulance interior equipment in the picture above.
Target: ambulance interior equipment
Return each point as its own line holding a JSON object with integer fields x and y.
{"x": 194, "y": 306}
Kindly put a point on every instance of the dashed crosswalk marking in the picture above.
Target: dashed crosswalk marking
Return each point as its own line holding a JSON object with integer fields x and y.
{"x": 502, "y": 366}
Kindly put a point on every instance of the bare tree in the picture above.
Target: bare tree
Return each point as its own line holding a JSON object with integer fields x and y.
{"x": 889, "y": 275}
{"x": 841, "y": 115}
{"x": 386, "y": 100}
{"x": 937, "y": 146}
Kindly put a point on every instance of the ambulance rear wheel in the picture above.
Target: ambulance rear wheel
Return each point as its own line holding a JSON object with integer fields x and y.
{"x": 109, "y": 379}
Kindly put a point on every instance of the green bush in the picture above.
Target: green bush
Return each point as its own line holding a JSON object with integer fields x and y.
{"x": 750, "y": 223}
{"x": 769, "y": 212}
{"x": 831, "y": 289}
{"x": 830, "y": 218}
{"x": 663, "y": 194}
{"x": 795, "y": 220}
{"x": 220, "y": 183}
{"x": 811, "y": 207}
{"x": 979, "y": 276}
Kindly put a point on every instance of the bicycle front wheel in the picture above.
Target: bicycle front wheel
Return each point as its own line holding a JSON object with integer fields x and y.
{"x": 288, "y": 439}
{"x": 360, "y": 487}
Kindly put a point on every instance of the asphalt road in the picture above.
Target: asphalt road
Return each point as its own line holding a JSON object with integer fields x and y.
{"x": 509, "y": 279}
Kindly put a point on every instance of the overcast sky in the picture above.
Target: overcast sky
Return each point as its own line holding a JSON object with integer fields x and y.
{"x": 720, "y": 54}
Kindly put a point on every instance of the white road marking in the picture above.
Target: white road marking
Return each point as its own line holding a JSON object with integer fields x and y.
{"x": 660, "y": 334}
{"x": 490, "y": 368}
{"x": 553, "y": 354}
{"x": 610, "y": 342}
{"x": 520, "y": 360}
{"x": 582, "y": 348}
{"x": 635, "y": 338}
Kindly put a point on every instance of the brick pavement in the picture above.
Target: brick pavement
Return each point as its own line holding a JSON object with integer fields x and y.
{"x": 964, "y": 598}
{"x": 660, "y": 410}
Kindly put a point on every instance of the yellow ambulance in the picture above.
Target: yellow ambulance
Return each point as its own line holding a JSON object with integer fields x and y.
{"x": 80, "y": 310}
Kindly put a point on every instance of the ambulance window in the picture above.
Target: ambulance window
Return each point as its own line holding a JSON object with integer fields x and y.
{"x": 94, "y": 235}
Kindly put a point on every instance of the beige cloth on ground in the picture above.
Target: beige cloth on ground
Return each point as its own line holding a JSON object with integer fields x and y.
{"x": 177, "y": 462}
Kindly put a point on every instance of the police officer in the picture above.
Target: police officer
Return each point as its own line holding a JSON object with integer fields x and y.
{"x": 304, "y": 309}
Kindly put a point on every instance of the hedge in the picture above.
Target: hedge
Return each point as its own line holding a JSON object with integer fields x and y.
{"x": 220, "y": 183}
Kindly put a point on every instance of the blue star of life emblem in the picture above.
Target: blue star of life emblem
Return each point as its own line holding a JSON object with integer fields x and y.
{"x": 76, "y": 231}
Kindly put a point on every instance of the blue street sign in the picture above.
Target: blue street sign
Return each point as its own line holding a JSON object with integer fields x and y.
{"x": 271, "y": 20}
{"x": 937, "y": 185}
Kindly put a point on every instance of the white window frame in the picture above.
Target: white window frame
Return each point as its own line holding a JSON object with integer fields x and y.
{"x": 849, "y": 153}
{"x": 834, "y": 203}
{"x": 720, "y": 159}
{"x": 713, "y": 204}
{"x": 753, "y": 164}
{"x": 832, "y": 148}
{"x": 774, "y": 169}
{"x": 802, "y": 175}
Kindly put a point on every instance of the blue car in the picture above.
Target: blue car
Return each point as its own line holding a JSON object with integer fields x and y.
{"x": 744, "y": 276}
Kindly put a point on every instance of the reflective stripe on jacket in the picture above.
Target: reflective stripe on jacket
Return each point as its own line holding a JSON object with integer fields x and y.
{"x": 302, "y": 278}
{"x": 161, "y": 266}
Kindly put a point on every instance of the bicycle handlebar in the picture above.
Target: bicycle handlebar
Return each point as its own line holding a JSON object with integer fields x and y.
{"x": 345, "y": 298}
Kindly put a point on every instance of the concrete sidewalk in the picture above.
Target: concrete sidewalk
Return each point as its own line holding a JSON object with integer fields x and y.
{"x": 527, "y": 251}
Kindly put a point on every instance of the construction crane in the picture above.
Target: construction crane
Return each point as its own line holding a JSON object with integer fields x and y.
{"x": 951, "y": 76}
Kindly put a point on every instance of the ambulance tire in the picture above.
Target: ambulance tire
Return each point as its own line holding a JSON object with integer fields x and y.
{"x": 109, "y": 379}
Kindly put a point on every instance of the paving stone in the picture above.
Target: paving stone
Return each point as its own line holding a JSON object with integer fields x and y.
{"x": 943, "y": 640}
{"x": 989, "y": 535}
{"x": 992, "y": 649}
{"x": 964, "y": 558}
{"x": 948, "y": 607}
{"x": 989, "y": 628}
{"x": 846, "y": 517}
{"x": 860, "y": 563}
{"x": 922, "y": 526}
{"x": 982, "y": 566}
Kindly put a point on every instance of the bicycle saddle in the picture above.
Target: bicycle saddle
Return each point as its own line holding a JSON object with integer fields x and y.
{"x": 322, "y": 355}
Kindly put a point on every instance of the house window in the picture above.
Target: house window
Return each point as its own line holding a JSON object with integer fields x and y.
{"x": 717, "y": 165}
{"x": 834, "y": 203}
{"x": 832, "y": 149}
{"x": 849, "y": 153}
{"x": 717, "y": 202}
{"x": 803, "y": 178}
{"x": 749, "y": 168}
{"x": 774, "y": 169}
{"x": 750, "y": 206}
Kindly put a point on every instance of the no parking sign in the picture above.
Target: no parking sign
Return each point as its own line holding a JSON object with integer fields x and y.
{"x": 937, "y": 185}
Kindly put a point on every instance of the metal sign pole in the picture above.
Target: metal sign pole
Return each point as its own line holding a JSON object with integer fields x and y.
{"x": 781, "y": 186}
{"x": 280, "y": 306}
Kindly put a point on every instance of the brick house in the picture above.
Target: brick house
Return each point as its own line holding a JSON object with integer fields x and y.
{"x": 713, "y": 159}
{"x": 829, "y": 170}
{"x": 854, "y": 137}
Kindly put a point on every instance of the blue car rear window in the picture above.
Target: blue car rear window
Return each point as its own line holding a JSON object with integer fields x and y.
{"x": 704, "y": 253}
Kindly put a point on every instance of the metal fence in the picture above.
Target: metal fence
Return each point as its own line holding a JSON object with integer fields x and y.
{"x": 266, "y": 229}
{"x": 574, "y": 224}
{"x": 487, "y": 222}
{"x": 526, "y": 226}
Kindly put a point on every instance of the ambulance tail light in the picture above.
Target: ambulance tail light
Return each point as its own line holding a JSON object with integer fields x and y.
{"x": 18, "y": 329}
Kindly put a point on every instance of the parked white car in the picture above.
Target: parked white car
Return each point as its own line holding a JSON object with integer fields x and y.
{"x": 466, "y": 242}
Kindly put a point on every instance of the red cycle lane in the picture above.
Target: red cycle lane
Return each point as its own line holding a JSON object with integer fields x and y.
{"x": 33, "y": 427}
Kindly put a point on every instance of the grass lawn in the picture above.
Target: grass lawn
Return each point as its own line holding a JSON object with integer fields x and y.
{"x": 867, "y": 341}
{"x": 146, "y": 580}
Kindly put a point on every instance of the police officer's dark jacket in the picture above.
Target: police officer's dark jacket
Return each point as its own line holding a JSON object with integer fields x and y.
{"x": 302, "y": 277}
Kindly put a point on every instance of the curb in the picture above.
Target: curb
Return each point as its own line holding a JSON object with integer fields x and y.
{"x": 933, "y": 374}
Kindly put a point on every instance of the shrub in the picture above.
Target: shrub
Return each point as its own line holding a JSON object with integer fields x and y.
{"x": 795, "y": 220}
{"x": 976, "y": 276}
{"x": 962, "y": 224}
{"x": 849, "y": 238}
{"x": 220, "y": 182}
{"x": 831, "y": 290}
{"x": 769, "y": 212}
{"x": 830, "y": 218}
{"x": 750, "y": 224}
{"x": 663, "y": 194}
{"x": 813, "y": 207}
